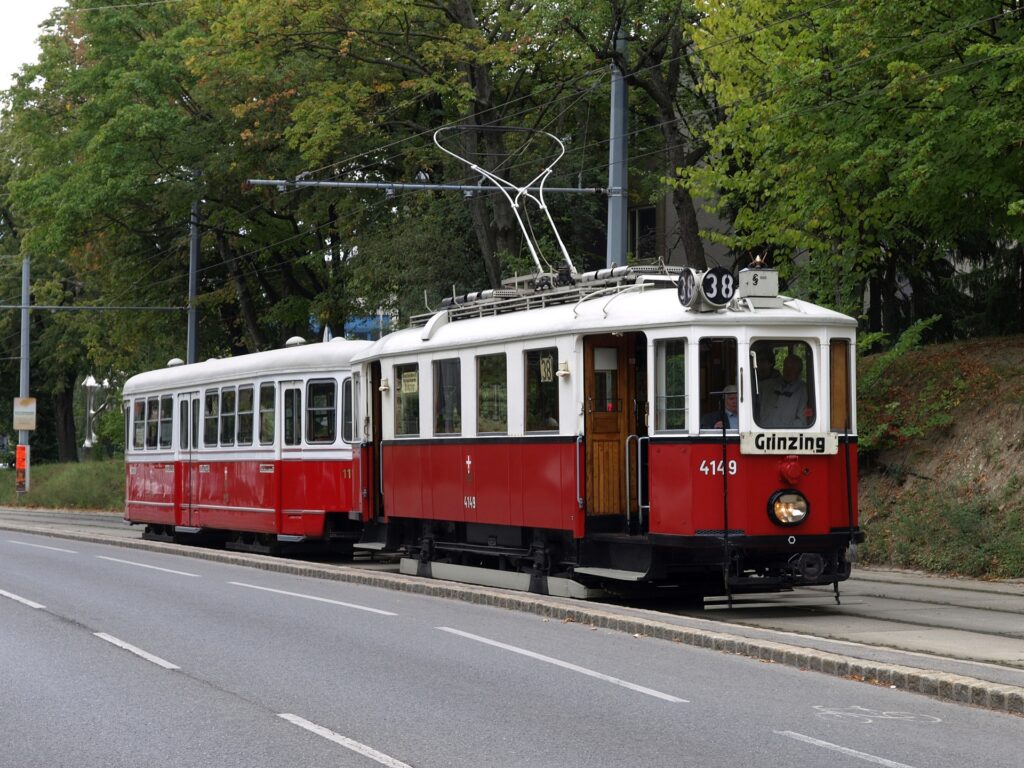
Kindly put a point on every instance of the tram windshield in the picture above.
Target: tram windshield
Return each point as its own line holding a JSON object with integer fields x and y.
{"x": 783, "y": 384}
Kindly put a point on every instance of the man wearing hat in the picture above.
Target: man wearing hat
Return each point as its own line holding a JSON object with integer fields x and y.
{"x": 713, "y": 420}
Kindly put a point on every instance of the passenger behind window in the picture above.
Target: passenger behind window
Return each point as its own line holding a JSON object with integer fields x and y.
{"x": 785, "y": 405}
{"x": 730, "y": 411}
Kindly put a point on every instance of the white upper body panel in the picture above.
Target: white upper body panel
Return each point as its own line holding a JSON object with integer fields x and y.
{"x": 334, "y": 356}
{"x": 635, "y": 310}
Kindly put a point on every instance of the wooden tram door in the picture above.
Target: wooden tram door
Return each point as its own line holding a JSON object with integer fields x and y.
{"x": 614, "y": 389}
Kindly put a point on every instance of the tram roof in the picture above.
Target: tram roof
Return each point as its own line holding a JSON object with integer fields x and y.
{"x": 653, "y": 307}
{"x": 324, "y": 357}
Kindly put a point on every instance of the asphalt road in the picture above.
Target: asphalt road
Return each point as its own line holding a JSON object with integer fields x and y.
{"x": 114, "y": 657}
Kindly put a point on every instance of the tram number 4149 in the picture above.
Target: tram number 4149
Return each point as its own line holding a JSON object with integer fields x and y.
{"x": 469, "y": 502}
{"x": 717, "y": 467}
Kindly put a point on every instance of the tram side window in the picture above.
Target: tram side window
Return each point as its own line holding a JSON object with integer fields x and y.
{"x": 152, "y": 422}
{"x": 492, "y": 394}
{"x": 541, "y": 390}
{"x": 195, "y": 422}
{"x": 346, "y": 411}
{"x": 211, "y": 413}
{"x": 447, "y": 397}
{"x": 718, "y": 367}
{"x": 183, "y": 425}
{"x": 321, "y": 411}
{"x": 166, "y": 420}
{"x": 126, "y": 411}
{"x": 227, "y": 416}
{"x": 839, "y": 383}
{"x": 293, "y": 416}
{"x": 670, "y": 378}
{"x": 783, "y": 384}
{"x": 407, "y": 399}
{"x": 268, "y": 404}
{"x": 245, "y": 415}
{"x": 139, "y": 424}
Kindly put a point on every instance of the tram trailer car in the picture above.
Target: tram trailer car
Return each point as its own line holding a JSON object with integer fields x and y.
{"x": 578, "y": 432}
{"x": 253, "y": 452}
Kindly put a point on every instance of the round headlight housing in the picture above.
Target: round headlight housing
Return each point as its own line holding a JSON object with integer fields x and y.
{"x": 788, "y": 507}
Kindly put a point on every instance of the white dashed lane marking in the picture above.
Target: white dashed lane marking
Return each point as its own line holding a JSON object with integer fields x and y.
{"x": 313, "y": 597}
{"x": 569, "y": 666}
{"x": 137, "y": 651}
{"x": 344, "y": 741}
{"x": 151, "y": 567}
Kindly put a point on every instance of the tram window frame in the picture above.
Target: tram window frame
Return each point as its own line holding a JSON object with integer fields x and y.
{"x": 538, "y": 412}
{"x": 211, "y": 417}
{"x": 292, "y": 416}
{"x": 347, "y": 411}
{"x": 183, "y": 424}
{"x": 667, "y": 380}
{"x": 321, "y": 420}
{"x": 492, "y": 408}
{"x": 166, "y": 421}
{"x": 245, "y": 414}
{"x": 139, "y": 423}
{"x": 152, "y": 422}
{"x": 268, "y": 412}
{"x": 407, "y": 401}
{"x": 714, "y": 374}
{"x": 840, "y": 386}
{"x": 781, "y": 348}
{"x": 448, "y": 396}
{"x": 228, "y": 416}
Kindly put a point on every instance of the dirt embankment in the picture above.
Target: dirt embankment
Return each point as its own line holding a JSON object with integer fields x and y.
{"x": 944, "y": 491}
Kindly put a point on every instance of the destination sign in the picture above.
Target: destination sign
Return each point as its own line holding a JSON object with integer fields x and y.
{"x": 783, "y": 443}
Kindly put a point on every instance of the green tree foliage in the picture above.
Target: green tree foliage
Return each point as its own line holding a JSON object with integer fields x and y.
{"x": 881, "y": 138}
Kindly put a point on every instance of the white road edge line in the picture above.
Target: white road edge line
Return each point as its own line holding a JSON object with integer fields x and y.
{"x": 843, "y": 750}
{"x": 311, "y": 597}
{"x": 137, "y": 651}
{"x": 151, "y": 567}
{"x": 344, "y": 741}
{"x": 21, "y": 600}
{"x": 42, "y": 546}
{"x": 569, "y": 666}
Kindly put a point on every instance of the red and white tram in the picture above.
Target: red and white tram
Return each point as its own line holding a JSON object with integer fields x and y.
{"x": 253, "y": 451}
{"x": 624, "y": 427}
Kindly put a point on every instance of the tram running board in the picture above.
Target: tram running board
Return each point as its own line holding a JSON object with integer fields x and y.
{"x": 488, "y": 577}
{"x": 612, "y": 573}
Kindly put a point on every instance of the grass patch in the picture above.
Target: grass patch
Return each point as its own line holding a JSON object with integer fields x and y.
{"x": 956, "y": 531}
{"x": 84, "y": 485}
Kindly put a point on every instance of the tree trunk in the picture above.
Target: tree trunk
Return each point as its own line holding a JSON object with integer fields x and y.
{"x": 64, "y": 421}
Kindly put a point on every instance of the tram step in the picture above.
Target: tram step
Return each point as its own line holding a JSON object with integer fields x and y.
{"x": 611, "y": 573}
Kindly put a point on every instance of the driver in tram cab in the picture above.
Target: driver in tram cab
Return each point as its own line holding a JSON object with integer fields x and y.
{"x": 713, "y": 420}
{"x": 786, "y": 403}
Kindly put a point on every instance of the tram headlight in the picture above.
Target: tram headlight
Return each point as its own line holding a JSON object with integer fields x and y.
{"x": 788, "y": 507}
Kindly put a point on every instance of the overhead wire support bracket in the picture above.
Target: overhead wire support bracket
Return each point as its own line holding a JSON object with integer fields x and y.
{"x": 396, "y": 186}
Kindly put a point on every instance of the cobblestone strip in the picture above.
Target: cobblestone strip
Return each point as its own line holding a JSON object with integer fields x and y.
{"x": 938, "y": 685}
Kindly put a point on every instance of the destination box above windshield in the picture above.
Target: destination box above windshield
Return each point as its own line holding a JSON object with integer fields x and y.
{"x": 783, "y": 443}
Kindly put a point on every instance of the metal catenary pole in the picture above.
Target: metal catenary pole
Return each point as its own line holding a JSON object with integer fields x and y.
{"x": 617, "y": 157}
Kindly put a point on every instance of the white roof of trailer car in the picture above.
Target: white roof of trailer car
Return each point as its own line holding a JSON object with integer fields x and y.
{"x": 334, "y": 356}
{"x": 643, "y": 308}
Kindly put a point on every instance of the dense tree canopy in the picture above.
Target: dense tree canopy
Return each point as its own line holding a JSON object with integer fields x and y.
{"x": 881, "y": 138}
{"x": 870, "y": 147}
